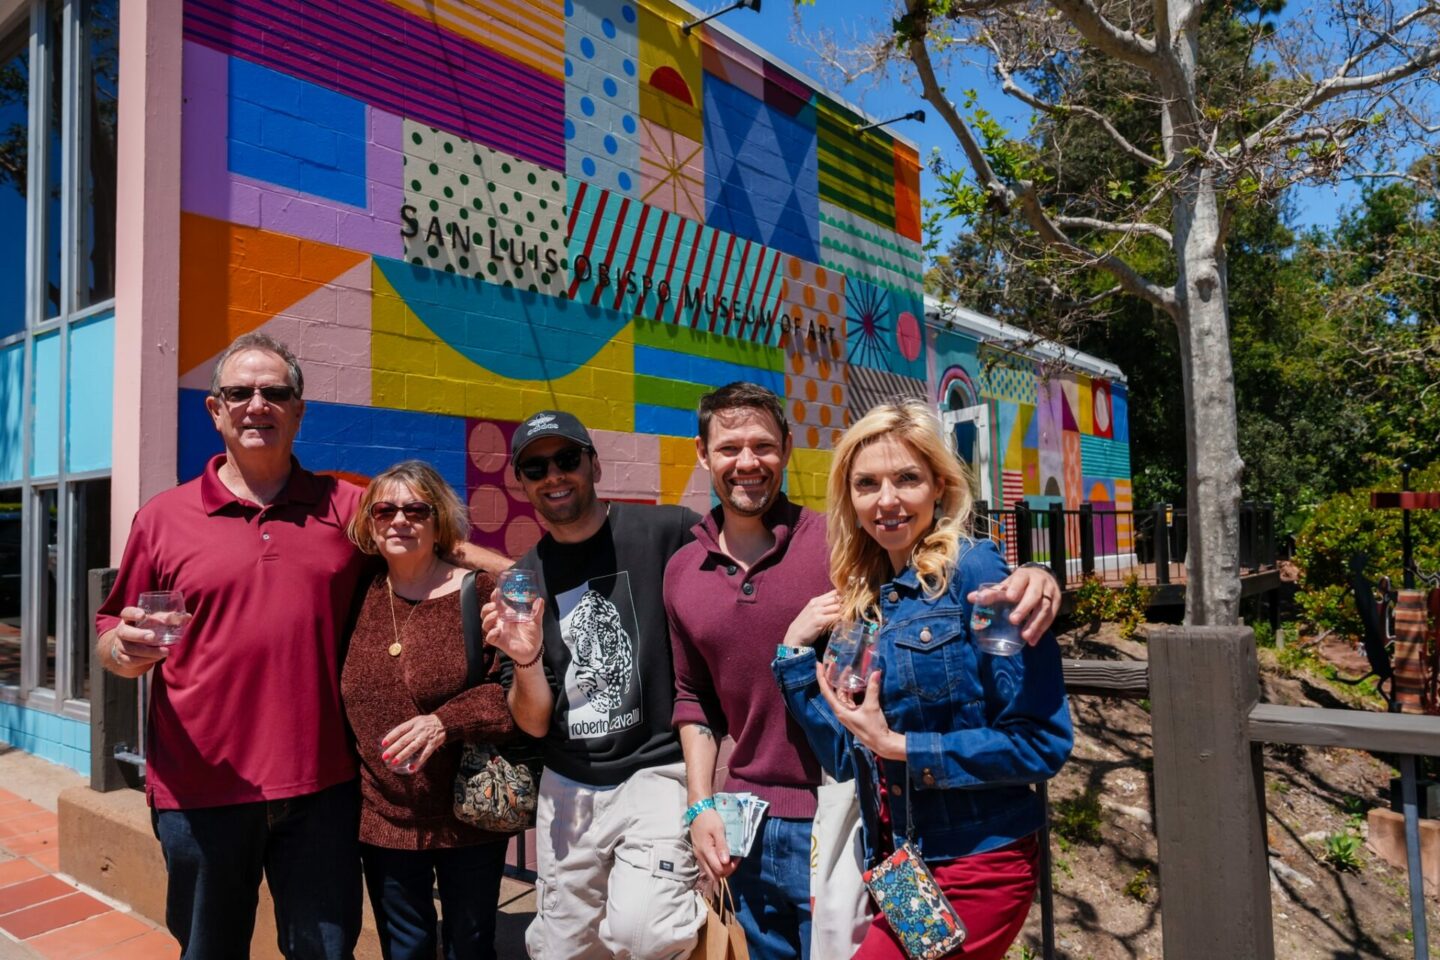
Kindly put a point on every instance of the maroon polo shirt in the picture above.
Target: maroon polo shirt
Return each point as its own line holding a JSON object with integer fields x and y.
{"x": 247, "y": 705}
{"x": 725, "y": 624}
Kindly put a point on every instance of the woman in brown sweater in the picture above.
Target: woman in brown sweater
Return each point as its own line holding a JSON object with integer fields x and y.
{"x": 404, "y": 692}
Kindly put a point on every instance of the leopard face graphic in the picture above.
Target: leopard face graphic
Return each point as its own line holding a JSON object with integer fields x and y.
{"x": 602, "y": 652}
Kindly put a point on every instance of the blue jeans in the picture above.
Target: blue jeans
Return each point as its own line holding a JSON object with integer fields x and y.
{"x": 306, "y": 847}
{"x": 772, "y": 891}
{"x": 402, "y": 884}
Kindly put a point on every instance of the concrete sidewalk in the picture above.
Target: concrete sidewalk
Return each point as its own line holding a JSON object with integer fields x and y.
{"x": 46, "y": 915}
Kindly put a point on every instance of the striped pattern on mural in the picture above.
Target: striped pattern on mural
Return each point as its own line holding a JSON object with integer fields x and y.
{"x": 857, "y": 171}
{"x": 859, "y": 247}
{"x": 672, "y": 268}
{"x": 371, "y": 50}
{"x": 532, "y": 32}
{"x": 1104, "y": 458}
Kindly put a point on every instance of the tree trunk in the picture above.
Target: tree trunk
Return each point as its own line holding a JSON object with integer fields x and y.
{"x": 1212, "y": 561}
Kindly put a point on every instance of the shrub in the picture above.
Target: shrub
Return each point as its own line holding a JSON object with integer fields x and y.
{"x": 1096, "y": 603}
{"x": 1342, "y": 851}
{"x": 1078, "y": 818}
{"x": 1346, "y": 524}
{"x": 1138, "y": 886}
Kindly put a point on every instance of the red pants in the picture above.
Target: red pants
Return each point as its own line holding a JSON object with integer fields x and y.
{"x": 991, "y": 891}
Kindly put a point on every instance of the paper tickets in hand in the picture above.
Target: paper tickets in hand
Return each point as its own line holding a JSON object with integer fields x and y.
{"x": 742, "y": 814}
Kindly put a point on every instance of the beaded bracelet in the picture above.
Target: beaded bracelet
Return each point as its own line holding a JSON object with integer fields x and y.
{"x": 697, "y": 808}
{"x": 533, "y": 660}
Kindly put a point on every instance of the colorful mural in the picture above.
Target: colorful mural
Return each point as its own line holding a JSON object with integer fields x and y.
{"x": 458, "y": 212}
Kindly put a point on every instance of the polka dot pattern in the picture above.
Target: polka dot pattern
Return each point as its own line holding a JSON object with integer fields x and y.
{"x": 816, "y": 388}
{"x": 483, "y": 213}
{"x": 601, "y": 94}
{"x": 501, "y": 518}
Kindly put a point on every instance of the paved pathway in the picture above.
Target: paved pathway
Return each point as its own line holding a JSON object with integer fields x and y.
{"x": 44, "y": 914}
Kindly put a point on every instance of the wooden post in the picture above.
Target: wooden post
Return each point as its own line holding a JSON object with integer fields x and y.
{"x": 1209, "y": 794}
{"x": 1057, "y": 542}
{"x": 114, "y": 715}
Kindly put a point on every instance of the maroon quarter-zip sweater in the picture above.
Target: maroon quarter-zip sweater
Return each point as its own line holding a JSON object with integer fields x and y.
{"x": 725, "y": 624}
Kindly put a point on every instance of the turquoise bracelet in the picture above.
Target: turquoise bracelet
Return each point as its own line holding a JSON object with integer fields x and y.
{"x": 697, "y": 808}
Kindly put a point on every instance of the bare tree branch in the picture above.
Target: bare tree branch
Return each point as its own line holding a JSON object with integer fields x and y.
{"x": 1125, "y": 45}
{"x": 1129, "y": 229}
{"x": 1009, "y": 85}
{"x": 1025, "y": 197}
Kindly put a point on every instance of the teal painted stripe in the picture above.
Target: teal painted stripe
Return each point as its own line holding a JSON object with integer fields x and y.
{"x": 829, "y": 244}
{"x": 47, "y": 735}
{"x": 1100, "y": 457}
{"x": 872, "y": 239}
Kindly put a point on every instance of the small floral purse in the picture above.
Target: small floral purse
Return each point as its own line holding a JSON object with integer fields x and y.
{"x": 906, "y": 892}
{"x": 497, "y": 787}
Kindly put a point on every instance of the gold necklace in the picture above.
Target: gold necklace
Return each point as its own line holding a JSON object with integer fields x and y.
{"x": 395, "y": 648}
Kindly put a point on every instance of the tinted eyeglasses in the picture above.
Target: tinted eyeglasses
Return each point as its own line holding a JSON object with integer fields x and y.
{"x": 275, "y": 393}
{"x": 566, "y": 461}
{"x": 416, "y": 511}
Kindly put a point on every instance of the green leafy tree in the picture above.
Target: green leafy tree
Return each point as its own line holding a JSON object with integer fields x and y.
{"x": 1204, "y": 112}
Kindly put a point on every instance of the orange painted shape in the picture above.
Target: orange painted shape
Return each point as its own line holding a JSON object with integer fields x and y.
{"x": 907, "y": 192}
{"x": 234, "y": 278}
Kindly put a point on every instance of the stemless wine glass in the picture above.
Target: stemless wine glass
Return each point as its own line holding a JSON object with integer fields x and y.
{"x": 518, "y": 590}
{"x": 164, "y": 615}
{"x": 990, "y": 624}
{"x": 849, "y": 655}
{"x": 408, "y": 767}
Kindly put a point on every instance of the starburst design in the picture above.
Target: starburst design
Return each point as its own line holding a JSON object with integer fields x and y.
{"x": 669, "y": 163}
{"x": 869, "y": 315}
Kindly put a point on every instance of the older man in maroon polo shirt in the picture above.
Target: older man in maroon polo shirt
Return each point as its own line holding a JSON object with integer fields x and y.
{"x": 249, "y": 768}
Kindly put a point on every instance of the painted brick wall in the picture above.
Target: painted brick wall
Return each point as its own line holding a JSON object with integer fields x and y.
{"x": 458, "y": 212}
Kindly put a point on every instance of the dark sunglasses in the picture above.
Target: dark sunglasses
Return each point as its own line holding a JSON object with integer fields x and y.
{"x": 276, "y": 393}
{"x": 566, "y": 461}
{"x": 416, "y": 511}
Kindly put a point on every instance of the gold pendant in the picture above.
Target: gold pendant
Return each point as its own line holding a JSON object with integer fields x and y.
{"x": 395, "y": 649}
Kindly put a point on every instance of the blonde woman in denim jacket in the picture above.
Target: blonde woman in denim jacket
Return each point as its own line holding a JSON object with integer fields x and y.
{"x": 950, "y": 736}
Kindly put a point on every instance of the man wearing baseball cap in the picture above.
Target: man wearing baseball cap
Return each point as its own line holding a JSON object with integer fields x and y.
{"x": 592, "y": 676}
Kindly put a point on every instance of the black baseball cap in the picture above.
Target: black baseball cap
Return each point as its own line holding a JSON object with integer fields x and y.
{"x": 548, "y": 423}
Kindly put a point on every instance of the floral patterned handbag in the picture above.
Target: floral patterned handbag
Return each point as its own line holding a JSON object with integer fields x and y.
{"x": 496, "y": 787}
{"x": 905, "y": 891}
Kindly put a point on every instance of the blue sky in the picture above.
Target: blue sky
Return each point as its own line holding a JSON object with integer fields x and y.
{"x": 773, "y": 26}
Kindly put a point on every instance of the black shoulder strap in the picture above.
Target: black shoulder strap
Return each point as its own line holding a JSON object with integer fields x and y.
{"x": 474, "y": 642}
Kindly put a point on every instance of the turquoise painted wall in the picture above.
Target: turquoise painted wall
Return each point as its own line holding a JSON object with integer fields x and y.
{"x": 58, "y": 739}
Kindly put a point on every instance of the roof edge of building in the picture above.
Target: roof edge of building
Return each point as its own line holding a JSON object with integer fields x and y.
{"x": 953, "y": 316}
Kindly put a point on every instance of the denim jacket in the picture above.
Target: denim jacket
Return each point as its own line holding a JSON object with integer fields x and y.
{"x": 979, "y": 729}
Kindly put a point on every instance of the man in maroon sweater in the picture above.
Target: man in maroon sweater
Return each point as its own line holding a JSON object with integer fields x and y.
{"x": 757, "y": 577}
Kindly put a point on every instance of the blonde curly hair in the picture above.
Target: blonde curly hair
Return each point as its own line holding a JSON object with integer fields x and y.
{"x": 858, "y": 565}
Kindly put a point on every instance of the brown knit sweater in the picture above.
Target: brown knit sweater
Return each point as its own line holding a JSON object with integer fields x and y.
{"x": 415, "y": 811}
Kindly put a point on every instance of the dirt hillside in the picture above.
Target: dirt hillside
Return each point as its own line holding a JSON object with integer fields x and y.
{"x": 1106, "y": 869}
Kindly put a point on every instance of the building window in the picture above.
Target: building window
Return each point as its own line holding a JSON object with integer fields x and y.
{"x": 14, "y": 137}
{"x": 47, "y": 518}
{"x": 11, "y": 551}
{"x": 101, "y": 76}
{"x": 58, "y": 126}
{"x": 89, "y": 550}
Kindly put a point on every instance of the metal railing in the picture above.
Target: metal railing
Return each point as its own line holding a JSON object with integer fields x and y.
{"x": 1098, "y": 541}
{"x": 1207, "y": 737}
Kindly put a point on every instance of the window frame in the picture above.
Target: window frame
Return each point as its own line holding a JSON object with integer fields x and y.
{"x": 35, "y": 16}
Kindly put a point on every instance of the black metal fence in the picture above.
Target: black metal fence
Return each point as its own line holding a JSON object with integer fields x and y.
{"x": 1097, "y": 540}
